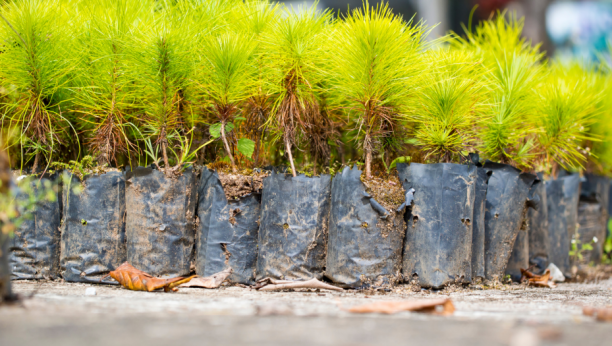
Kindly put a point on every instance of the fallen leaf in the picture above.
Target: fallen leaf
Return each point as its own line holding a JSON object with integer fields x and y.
{"x": 269, "y": 284}
{"x": 537, "y": 280}
{"x": 602, "y": 314}
{"x": 213, "y": 281}
{"x": 137, "y": 280}
{"x": 434, "y": 306}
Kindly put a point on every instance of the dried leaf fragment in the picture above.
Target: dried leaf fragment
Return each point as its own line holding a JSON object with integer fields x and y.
{"x": 537, "y": 280}
{"x": 603, "y": 314}
{"x": 137, "y": 280}
{"x": 442, "y": 307}
{"x": 213, "y": 281}
{"x": 269, "y": 284}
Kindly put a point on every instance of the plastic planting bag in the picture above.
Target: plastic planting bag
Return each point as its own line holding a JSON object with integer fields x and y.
{"x": 159, "y": 223}
{"x": 519, "y": 258}
{"x": 5, "y": 271}
{"x": 365, "y": 239}
{"x": 438, "y": 242}
{"x": 228, "y": 231}
{"x": 562, "y": 196}
{"x": 93, "y": 231}
{"x": 478, "y": 228}
{"x": 35, "y": 247}
{"x": 506, "y": 209}
{"x": 596, "y": 190}
{"x": 537, "y": 223}
{"x": 590, "y": 231}
{"x": 293, "y": 229}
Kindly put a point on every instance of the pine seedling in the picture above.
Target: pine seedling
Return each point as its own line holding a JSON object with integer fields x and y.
{"x": 377, "y": 62}
{"x": 600, "y": 158}
{"x": 254, "y": 18}
{"x": 36, "y": 60}
{"x": 106, "y": 96}
{"x": 514, "y": 64}
{"x": 450, "y": 104}
{"x": 294, "y": 57}
{"x": 568, "y": 103}
{"x": 164, "y": 65}
{"x": 225, "y": 77}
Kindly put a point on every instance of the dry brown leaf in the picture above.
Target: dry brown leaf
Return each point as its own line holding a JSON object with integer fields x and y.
{"x": 434, "y": 306}
{"x": 213, "y": 281}
{"x": 602, "y": 314}
{"x": 269, "y": 284}
{"x": 137, "y": 280}
{"x": 537, "y": 280}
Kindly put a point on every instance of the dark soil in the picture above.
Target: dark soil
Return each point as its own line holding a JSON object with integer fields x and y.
{"x": 389, "y": 192}
{"x": 239, "y": 184}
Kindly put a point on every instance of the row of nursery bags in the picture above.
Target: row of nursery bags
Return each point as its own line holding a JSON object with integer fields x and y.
{"x": 458, "y": 224}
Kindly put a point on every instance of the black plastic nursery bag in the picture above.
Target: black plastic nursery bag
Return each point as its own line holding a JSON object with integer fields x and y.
{"x": 160, "y": 221}
{"x": 537, "y": 223}
{"x": 35, "y": 247}
{"x": 93, "y": 231}
{"x": 228, "y": 231}
{"x": 364, "y": 249}
{"x": 293, "y": 229}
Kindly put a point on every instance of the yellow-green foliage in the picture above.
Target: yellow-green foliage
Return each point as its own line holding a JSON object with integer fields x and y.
{"x": 451, "y": 104}
{"x": 568, "y": 103}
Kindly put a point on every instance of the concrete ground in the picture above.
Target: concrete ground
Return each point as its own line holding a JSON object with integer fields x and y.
{"x": 58, "y": 313}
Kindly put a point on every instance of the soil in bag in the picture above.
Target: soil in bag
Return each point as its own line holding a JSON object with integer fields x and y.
{"x": 35, "y": 247}
{"x": 438, "y": 244}
{"x": 537, "y": 223}
{"x": 506, "y": 208}
{"x": 519, "y": 258}
{"x": 93, "y": 230}
{"x": 159, "y": 226}
{"x": 561, "y": 194}
{"x": 293, "y": 227}
{"x": 366, "y": 230}
{"x": 227, "y": 234}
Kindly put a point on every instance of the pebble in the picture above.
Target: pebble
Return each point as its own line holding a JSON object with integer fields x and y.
{"x": 90, "y": 291}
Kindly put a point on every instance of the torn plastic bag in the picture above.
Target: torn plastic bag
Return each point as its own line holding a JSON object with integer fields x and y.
{"x": 93, "y": 231}
{"x": 537, "y": 223}
{"x": 478, "y": 228}
{"x": 293, "y": 227}
{"x": 519, "y": 258}
{"x": 506, "y": 205}
{"x": 227, "y": 234}
{"x": 438, "y": 241}
{"x": 561, "y": 195}
{"x": 159, "y": 227}
{"x": 364, "y": 249}
{"x": 35, "y": 247}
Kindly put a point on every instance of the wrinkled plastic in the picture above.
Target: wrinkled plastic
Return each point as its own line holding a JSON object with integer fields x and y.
{"x": 5, "y": 270}
{"x": 228, "y": 231}
{"x": 590, "y": 230}
{"x": 596, "y": 189}
{"x": 537, "y": 223}
{"x": 438, "y": 242}
{"x": 35, "y": 247}
{"x": 159, "y": 227}
{"x": 519, "y": 258}
{"x": 294, "y": 226}
{"x": 93, "y": 230}
{"x": 562, "y": 196}
{"x": 506, "y": 205}
{"x": 478, "y": 228}
{"x": 360, "y": 253}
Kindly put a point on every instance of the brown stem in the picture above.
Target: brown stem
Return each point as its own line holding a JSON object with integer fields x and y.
{"x": 314, "y": 170}
{"x": 368, "y": 158}
{"x": 35, "y": 165}
{"x": 227, "y": 148}
{"x": 165, "y": 154}
{"x": 288, "y": 149}
{"x": 257, "y": 148}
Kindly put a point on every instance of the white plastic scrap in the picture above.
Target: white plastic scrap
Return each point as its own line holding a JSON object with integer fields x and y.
{"x": 555, "y": 273}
